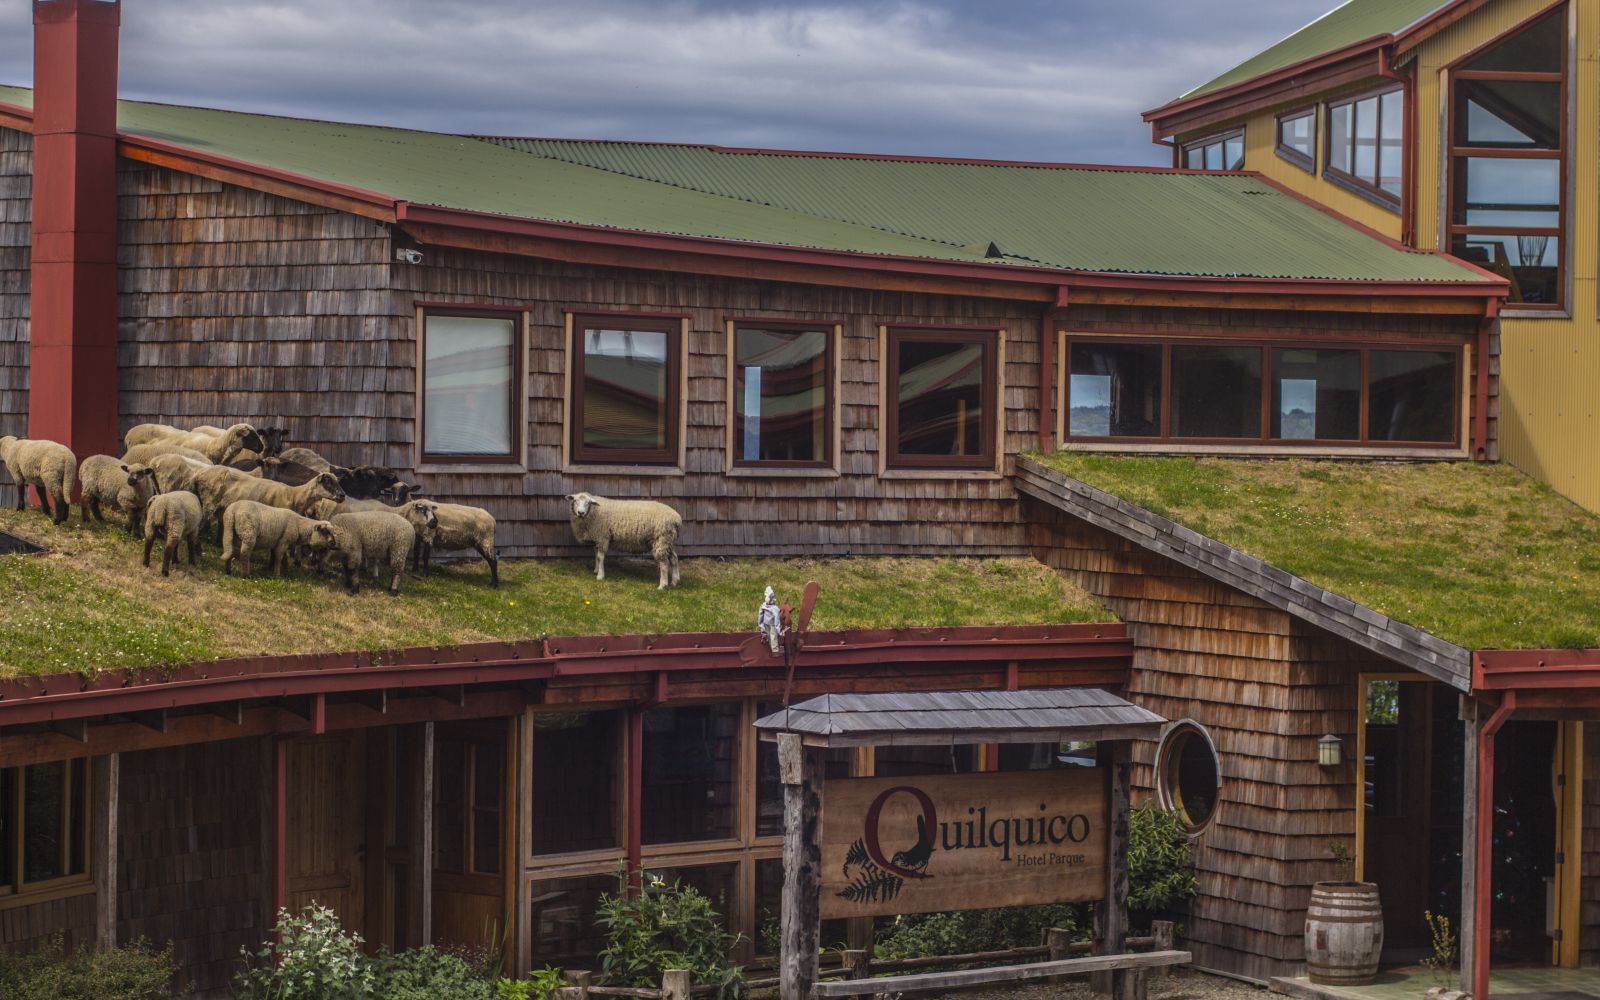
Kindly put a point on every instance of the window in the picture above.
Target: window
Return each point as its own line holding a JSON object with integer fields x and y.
{"x": 1189, "y": 776}
{"x": 1138, "y": 391}
{"x": 942, "y": 399}
{"x": 688, "y": 778}
{"x": 562, "y": 921}
{"x": 782, "y": 395}
{"x": 769, "y": 789}
{"x": 625, "y": 389}
{"x": 1366, "y": 144}
{"x": 469, "y": 792}
{"x": 470, "y": 386}
{"x": 576, "y": 761}
{"x": 1219, "y": 152}
{"x": 1297, "y": 138}
{"x": 1508, "y": 161}
{"x": 44, "y": 825}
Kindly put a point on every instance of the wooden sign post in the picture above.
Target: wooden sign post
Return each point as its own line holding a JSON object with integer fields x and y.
{"x": 800, "y": 769}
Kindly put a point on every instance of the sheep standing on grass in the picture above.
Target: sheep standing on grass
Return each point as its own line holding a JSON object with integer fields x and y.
{"x": 125, "y": 488}
{"x": 220, "y": 486}
{"x": 248, "y": 526}
{"x": 175, "y": 472}
{"x": 628, "y": 526}
{"x": 48, "y": 467}
{"x": 172, "y": 516}
{"x": 459, "y": 527}
{"x": 374, "y": 537}
{"x": 147, "y": 453}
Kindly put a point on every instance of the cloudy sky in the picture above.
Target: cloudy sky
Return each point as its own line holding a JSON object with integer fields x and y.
{"x": 1013, "y": 79}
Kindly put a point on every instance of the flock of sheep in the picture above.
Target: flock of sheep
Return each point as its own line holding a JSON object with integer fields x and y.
{"x": 294, "y": 505}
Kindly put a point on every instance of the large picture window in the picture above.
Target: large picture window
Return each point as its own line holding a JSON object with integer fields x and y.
{"x": 1144, "y": 391}
{"x": 1508, "y": 138}
{"x": 1218, "y": 152}
{"x": 625, "y": 390}
{"x": 44, "y": 825}
{"x": 942, "y": 398}
{"x": 782, "y": 395}
{"x": 1365, "y": 145}
{"x": 689, "y": 777}
{"x": 470, "y": 386}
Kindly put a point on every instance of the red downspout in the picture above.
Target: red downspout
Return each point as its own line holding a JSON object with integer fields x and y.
{"x": 72, "y": 394}
{"x": 280, "y": 827}
{"x": 1480, "y": 392}
{"x": 1484, "y": 856}
{"x": 1047, "y": 369}
{"x": 1408, "y": 158}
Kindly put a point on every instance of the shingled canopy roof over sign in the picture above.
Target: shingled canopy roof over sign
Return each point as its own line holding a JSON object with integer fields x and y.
{"x": 1012, "y": 219}
{"x": 942, "y": 718}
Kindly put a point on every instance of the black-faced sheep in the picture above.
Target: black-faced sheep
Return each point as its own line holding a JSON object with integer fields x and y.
{"x": 248, "y": 526}
{"x": 48, "y": 467}
{"x": 627, "y": 526}
{"x": 366, "y": 482}
{"x": 175, "y": 472}
{"x": 123, "y": 487}
{"x": 220, "y": 486}
{"x": 460, "y": 527}
{"x": 374, "y": 537}
{"x": 172, "y": 516}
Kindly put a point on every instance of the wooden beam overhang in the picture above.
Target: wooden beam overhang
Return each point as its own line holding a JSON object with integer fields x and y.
{"x": 1404, "y": 644}
{"x": 1545, "y": 678}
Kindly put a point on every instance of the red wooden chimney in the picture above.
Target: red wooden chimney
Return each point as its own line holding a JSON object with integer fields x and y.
{"x": 72, "y": 385}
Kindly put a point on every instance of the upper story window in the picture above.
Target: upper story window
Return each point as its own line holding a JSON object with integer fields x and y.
{"x": 1366, "y": 144}
{"x": 1133, "y": 390}
{"x": 470, "y": 385}
{"x": 782, "y": 395}
{"x": 1218, "y": 152}
{"x": 942, "y": 398}
{"x": 1508, "y": 139}
{"x": 44, "y": 825}
{"x": 1297, "y": 138}
{"x": 626, "y": 392}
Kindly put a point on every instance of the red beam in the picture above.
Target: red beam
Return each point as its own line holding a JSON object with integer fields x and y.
{"x": 280, "y": 826}
{"x": 1483, "y": 855}
{"x": 635, "y": 839}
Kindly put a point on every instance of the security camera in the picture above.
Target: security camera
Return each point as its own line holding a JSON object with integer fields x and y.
{"x": 407, "y": 256}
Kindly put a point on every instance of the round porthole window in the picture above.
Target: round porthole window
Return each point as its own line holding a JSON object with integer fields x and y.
{"x": 1188, "y": 775}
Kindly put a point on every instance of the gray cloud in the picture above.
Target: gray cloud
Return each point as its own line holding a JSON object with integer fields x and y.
{"x": 1031, "y": 79}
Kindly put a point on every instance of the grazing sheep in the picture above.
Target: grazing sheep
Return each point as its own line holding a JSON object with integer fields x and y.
{"x": 125, "y": 488}
{"x": 400, "y": 493}
{"x": 366, "y": 482}
{"x": 627, "y": 526}
{"x": 173, "y": 516}
{"x": 248, "y": 525}
{"x": 219, "y": 448}
{"x": 460, "y": 527}
{"x": 150, "y": 433}
{"x": 220, "y": 486}
{"x": 175, "y": 472}
{"x": 374, "y": 537}
{"x": 48, "y": 467}
{"x": 146, "y": 453}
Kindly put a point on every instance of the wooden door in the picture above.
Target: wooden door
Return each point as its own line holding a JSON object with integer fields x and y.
{"x": 326, "y": 844}
{"x": 472, "y": 842}
{"x": 1395, "y": 791}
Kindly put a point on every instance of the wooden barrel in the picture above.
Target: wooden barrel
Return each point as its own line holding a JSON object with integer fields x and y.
{"x": 1344, "y": 933}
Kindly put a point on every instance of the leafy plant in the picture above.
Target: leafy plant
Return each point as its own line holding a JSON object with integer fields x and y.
{"x": 928, "y": 934}
{"x": 428, "y": 974}
{"x": 1160, "y": 863}
{"x": 1344, "y": 858}
{"x": 1443, "y": 960}
{"x": 665, "y": 926}
{"x": 136, "y": 971}
{"x": 541, "y": 984}
{"x": 312, "y": 958}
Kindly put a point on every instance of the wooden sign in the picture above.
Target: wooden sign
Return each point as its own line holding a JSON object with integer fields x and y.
{"x": 962, "y": 841}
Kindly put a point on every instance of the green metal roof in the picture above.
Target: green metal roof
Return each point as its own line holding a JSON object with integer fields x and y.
{"x": 1070, "y": 218}
{"x": 1355, "y": 21}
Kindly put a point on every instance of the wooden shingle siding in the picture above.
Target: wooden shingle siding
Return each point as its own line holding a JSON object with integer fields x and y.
{"x": 16, "y": 210}
{"x": 27, "y": 928}
{"x": 1266, "y": 686}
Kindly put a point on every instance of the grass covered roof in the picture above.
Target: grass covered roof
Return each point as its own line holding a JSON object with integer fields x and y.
{"x": 1480, "y": 555}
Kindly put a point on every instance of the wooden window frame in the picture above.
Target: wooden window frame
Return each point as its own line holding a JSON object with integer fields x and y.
{"x": 598, "y": 860}
{"x": 1163, "y": 778}
{"x": 519, "y": 385}
{"x": 1166, "y": 440}
{"x": 829, "y": 466}
{"x": 992, "y": 340}
{"x": 1454, "y": 152}
{"x": 582, "y": 459}
{"x": 1289, "y": 153}
{"x": 469, "y": 879}
{"x": 1215, "y": 139}
{"x": 1347, "y": 179}
{"x": 21, "y": 892}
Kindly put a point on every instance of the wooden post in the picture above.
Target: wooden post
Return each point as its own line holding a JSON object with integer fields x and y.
{"x": 422, "y": 843}
{"x": 675, "y": 984}
{"x": 1059, "y": 942}
{"x": 1162, "y": 940}
{"x": 522, "y": 894}
{"x": 280, "y": 826}
{"x": 1111, "y": 913}
{"x": 1480, "y": 897}
{"x": 800, "y": 769}
{"x": 856, "y": 964}
{"x": 107, "y": 783}
{"x": 1466, "y": 933}
{"x": 634, "y": 781}
{"x": 581, "y": 980}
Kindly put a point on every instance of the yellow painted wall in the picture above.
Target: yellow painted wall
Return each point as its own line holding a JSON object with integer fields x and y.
{"x": 1260, "y": 154}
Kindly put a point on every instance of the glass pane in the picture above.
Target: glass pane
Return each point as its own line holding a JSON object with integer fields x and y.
{"x": 468, "y": 381}
{"x": 1194, "y": 157}
{"x": 909, "y": 762}
{"x": 1411, "y": 395}
{"x": 1493, "y": 191}
{"x": 769, "y": 905}
{"x": 1339, "y": 124}
{"x": 79, "y": 826}
{"x": 450, "y": 806}
{"x": 1216, "y": 392}
{"x": 486, "y": 801}
{"x": 1192, "y": 778}
{"x": 562, "y": 918}
{"x": 1030, "y": 756}
{"x": 940, "y": 397}
{"x": 8, "y": 827}
{"x": 1366, "y": 167}
{"x": 714, "y": 882}
{"x": 1392, "y": 122}
{"x": 1531, "y": 263}
{"x": 688, "y": 773}
{"x": 1115, "y": 390}
{"x": 769, "y": 790}
{"x": 1517, "y": 113}
{"x": 1233, "y": 152}
{"x": 1535, "y": 49}
{"x": 780, "y": 395}
{"x": 1214, "y": 156}
{"x": 43, "y": 826}
{"x": 626, "y": 393}
{"x": 1295, "y": 133}
{"x": 1316, "y": 394}
{"x": 574, "y": 788}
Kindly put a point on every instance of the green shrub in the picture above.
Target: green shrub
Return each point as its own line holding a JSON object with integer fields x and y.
{"x": 312, "y": 959}
{"x": 541, "y": 984}
{"x": 955, "y": 933}
{"x": 1160, "y": 866}
{"x": 428, "y": 974}
{"x": 665, "y": 927}
{"x": 133, "y": 972}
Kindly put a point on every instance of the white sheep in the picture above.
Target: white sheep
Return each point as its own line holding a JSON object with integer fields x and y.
{"x": 220, "y": 486}
{"x": 149, "y": 433}
{"x": 374, "y": 537}
{"x": 628, "y": 526}
{"x": 147, "y": 453}
{"x": 459, "y": 527}
{"x": 247, "y": 526}
{"x": 172, "y": 516}
{"x": 219, "y": 448}
{"x": 175, "y": 472}
{"x": 48, "y": 467}
{"x": 124, "y": 487}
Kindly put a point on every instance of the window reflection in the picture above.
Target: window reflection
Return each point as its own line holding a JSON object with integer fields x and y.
{"x": 469, "y": 384}
{"x": 1216, "y": 392}
{"x": 1411, "y": 396}
{"x": 625, "y": 390}
{"x": 1316, "y": 394}
{"x": 1115, "y": 390}
{"x": 944, "y": 398}
{"x": 780, "y": 395}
